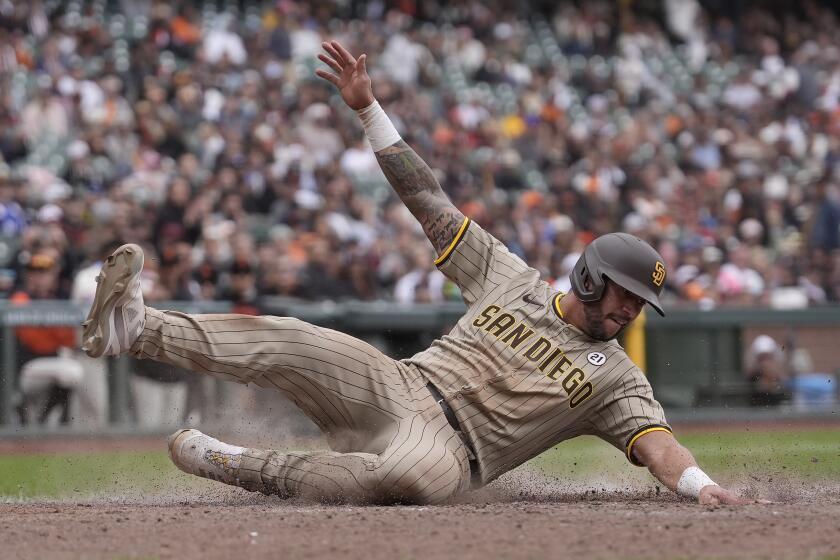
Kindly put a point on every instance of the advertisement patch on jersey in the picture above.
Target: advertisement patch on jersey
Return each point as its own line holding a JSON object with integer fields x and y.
{"x": 596, "y": 358}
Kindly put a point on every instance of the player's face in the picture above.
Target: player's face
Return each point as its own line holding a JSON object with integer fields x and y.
{"x": 616, "y": 309}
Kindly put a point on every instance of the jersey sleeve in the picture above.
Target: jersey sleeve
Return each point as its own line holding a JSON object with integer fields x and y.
{"x": 628, "y": 412}
{"x": 478, "y": 262}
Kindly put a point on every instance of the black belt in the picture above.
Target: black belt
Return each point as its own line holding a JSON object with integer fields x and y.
{"x": 449, "y": 414}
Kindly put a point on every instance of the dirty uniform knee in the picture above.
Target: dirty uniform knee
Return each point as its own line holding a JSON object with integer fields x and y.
{"x": 423, "y": 485}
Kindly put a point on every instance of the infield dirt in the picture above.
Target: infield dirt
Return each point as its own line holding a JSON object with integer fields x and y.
{"x": 541, "y": 518}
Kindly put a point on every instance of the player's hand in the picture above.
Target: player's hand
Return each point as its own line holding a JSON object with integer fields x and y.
{"x": 351, "y": 77}
{"x": 713, "y": 495}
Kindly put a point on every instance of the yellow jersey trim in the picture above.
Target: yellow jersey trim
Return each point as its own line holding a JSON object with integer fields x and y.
{"x": 445, "y": 255}
{"x": 644, "y": 431}
{"x": 557, "y": 308}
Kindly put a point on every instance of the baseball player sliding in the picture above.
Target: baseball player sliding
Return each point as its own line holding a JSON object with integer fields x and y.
{"x": 524, "y": 369}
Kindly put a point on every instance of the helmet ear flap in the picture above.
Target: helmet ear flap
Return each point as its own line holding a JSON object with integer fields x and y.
{"x": 583, "y": 272}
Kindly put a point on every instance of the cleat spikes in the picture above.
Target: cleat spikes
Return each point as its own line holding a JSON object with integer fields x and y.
{"x": 117, "y": 294}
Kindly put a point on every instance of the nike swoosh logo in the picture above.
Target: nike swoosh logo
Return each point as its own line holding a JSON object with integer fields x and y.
{"x": 528, "y": 298}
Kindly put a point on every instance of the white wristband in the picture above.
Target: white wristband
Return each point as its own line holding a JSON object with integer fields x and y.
{"x": 378, "y": 127}
{"x": 692, "y": 481}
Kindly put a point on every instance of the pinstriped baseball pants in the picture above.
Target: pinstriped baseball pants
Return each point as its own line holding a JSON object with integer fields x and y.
{"x": 389, "y": 439}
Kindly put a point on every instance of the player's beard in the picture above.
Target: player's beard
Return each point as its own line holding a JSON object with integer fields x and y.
{"x": 596, "y": 322}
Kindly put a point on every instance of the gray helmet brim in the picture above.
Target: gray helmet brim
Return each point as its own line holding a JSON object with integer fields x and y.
{"x": 637, "y": 288}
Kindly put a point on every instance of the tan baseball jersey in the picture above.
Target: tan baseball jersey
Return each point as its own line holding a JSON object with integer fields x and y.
{"x": 519, "y": 378}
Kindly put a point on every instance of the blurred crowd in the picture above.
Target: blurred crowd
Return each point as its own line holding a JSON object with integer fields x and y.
{"x": 199, "y": 130}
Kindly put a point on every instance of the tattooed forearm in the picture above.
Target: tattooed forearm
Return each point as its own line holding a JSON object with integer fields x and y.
{"x": 443, "y": 228}
{"x": 408, "y": 174}
{"x": 418, "y": 188}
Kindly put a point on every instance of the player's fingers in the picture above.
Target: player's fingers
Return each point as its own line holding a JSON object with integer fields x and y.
{"x": 330, "y": 77}
{"x": 329, "y": 62}
{"x": 345, "y": 54}
{"x": 334, "y": 54}
{"x": 360, "y": 64}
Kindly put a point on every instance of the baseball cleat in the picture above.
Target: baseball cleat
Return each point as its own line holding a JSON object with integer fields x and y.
{"x": 118, "y": 315}
{"x": 196, "y": 453}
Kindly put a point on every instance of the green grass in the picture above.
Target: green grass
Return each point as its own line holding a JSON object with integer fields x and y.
{"x": 798, "y": 454}
{"x": 806, "y": 455}
{"x": 82, "y": 475}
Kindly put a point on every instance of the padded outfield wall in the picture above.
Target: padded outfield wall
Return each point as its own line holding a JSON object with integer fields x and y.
{"x": 693, "y": 358}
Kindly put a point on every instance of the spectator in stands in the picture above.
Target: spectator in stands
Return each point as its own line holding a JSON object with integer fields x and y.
{"x": 54, "y": 379}
{"x": 223, "y": 45}
{"x": 737, "y": 281}
{"x": 423, "y": 283}
{"x": 12, "y": 215}
{"x": 767, "y": 372}
{"x": 186, "y": 34}
{"x": 242, "y": 287}
{"x": 825, "y": 232}
{"x": 322, "y": 277}
{"x": 45, "y": 116}
{"x": 691, "y": 123}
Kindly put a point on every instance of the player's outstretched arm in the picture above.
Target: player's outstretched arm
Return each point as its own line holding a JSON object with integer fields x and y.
{"x": 408, "y": 174}
{"x": 676, "y": 468}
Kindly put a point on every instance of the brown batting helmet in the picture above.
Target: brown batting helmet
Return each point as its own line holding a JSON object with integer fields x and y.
{"x": 626, "y": 260}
